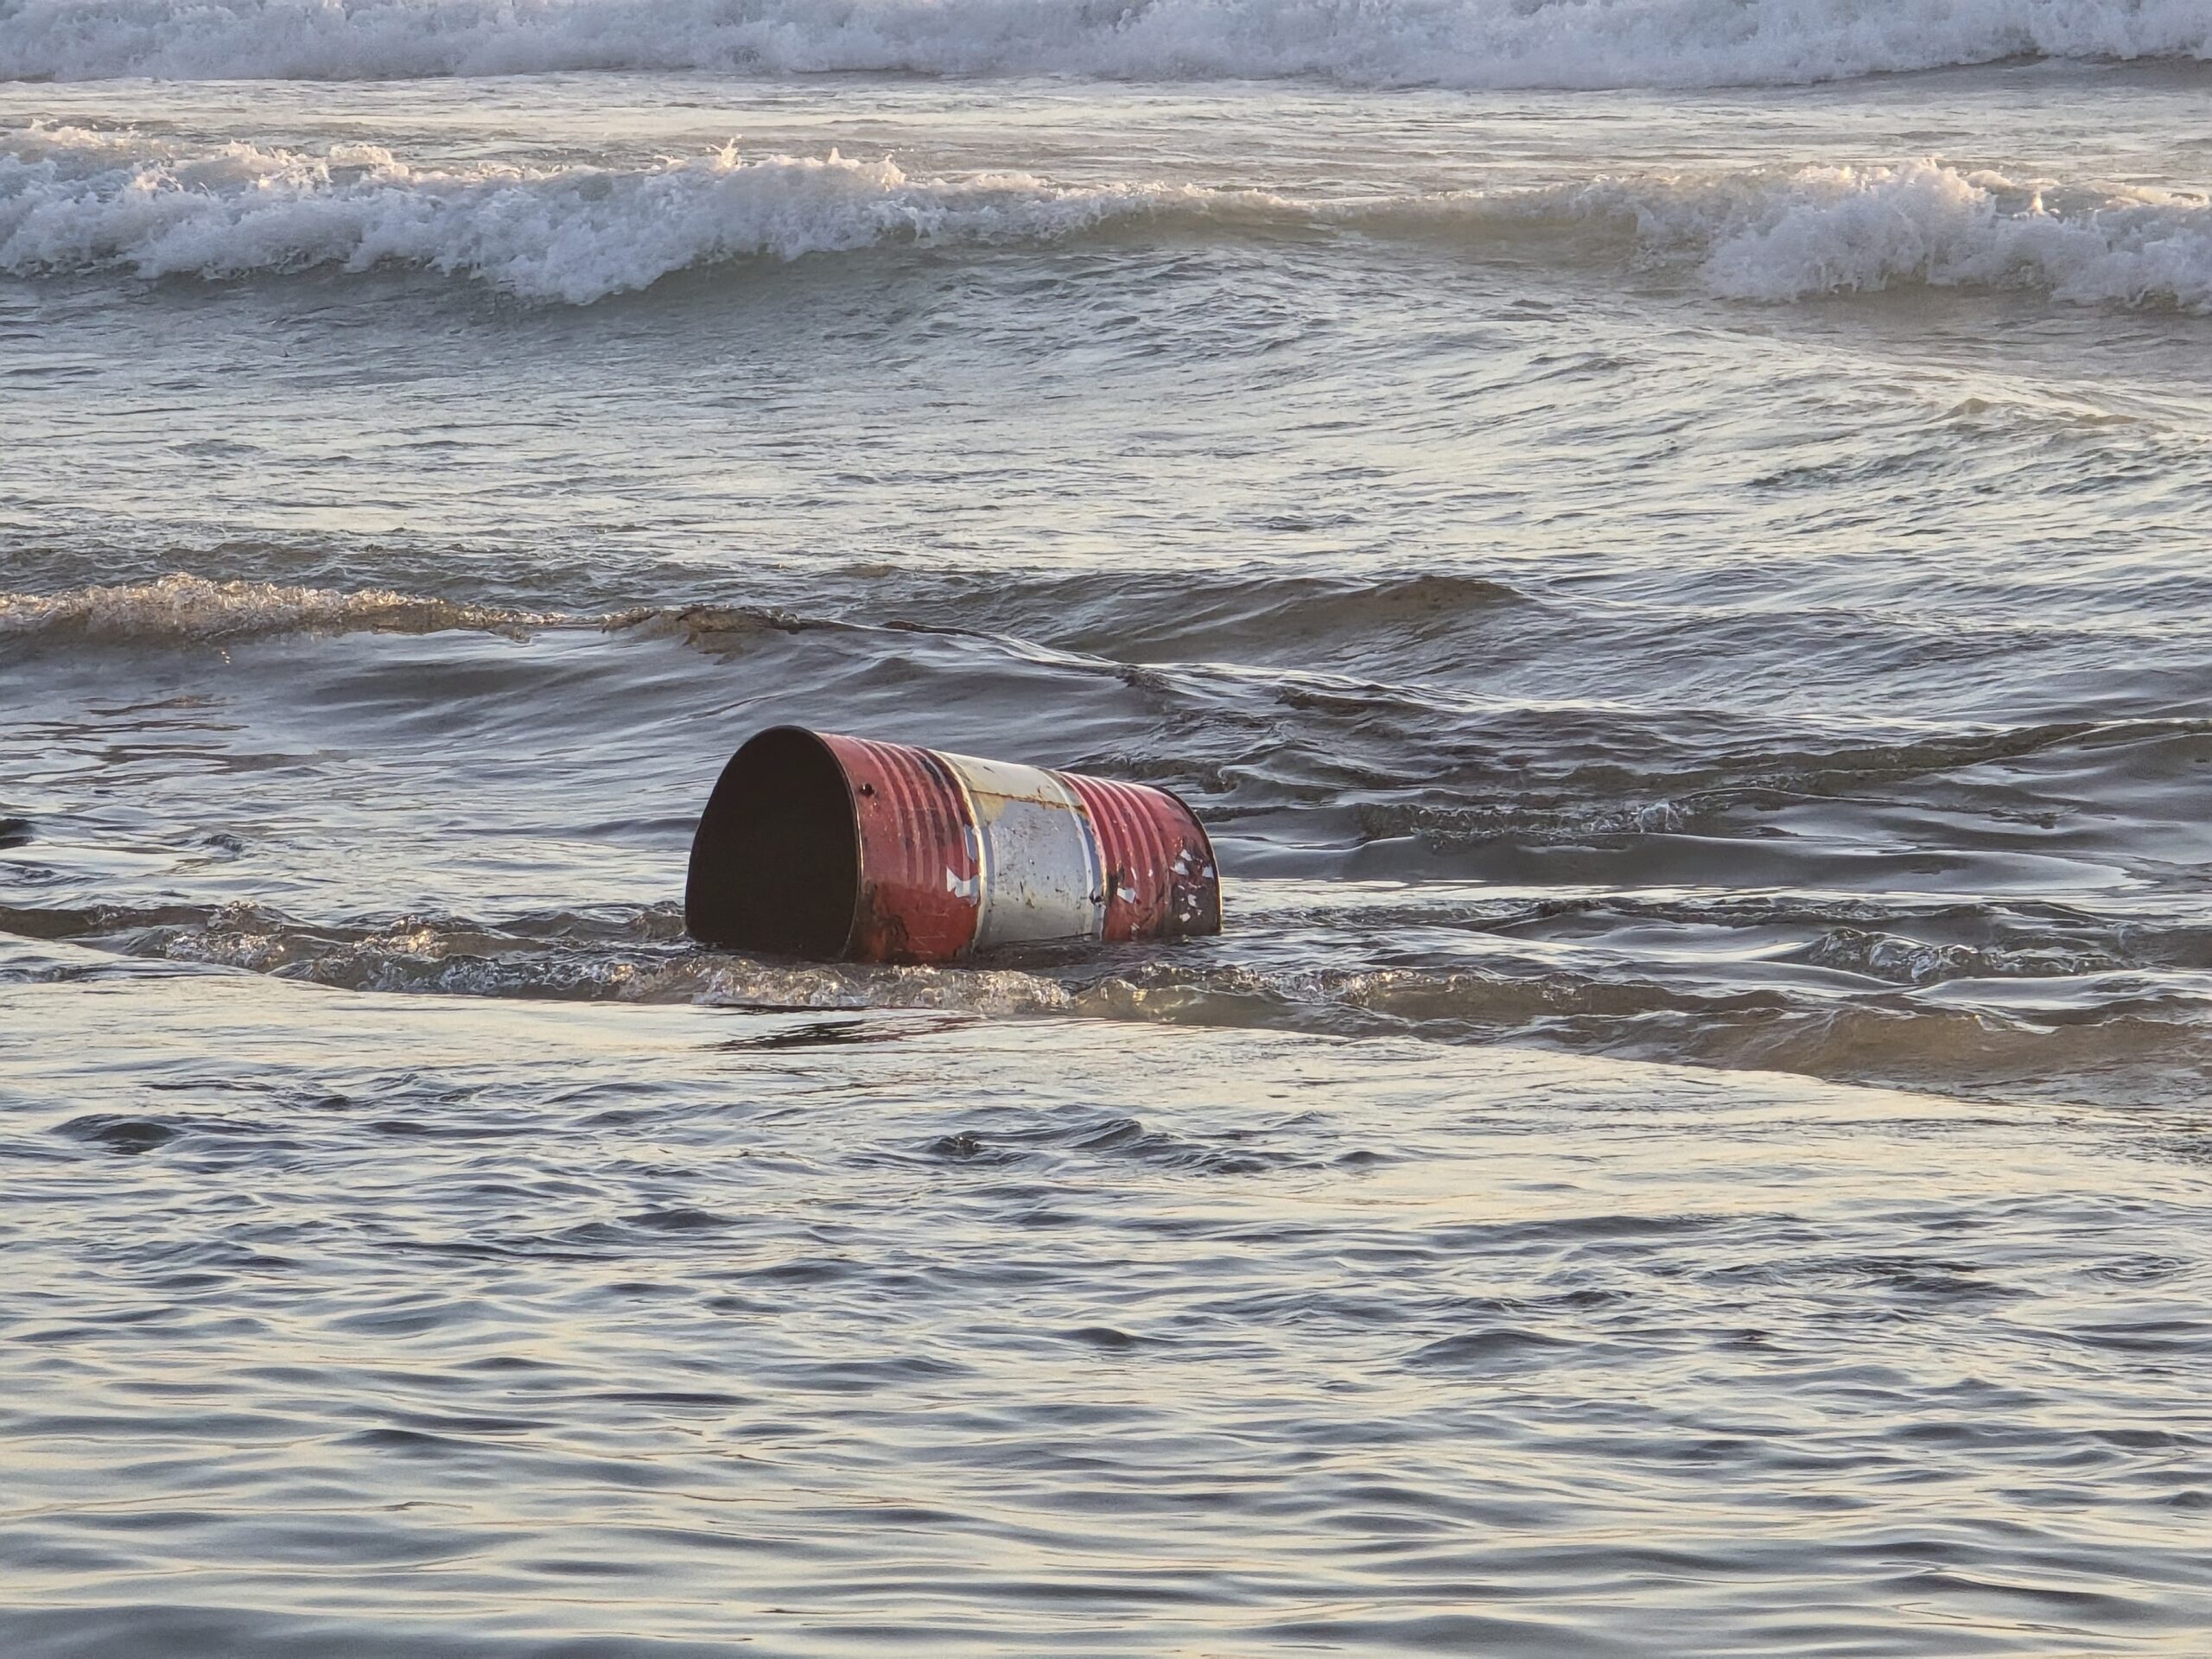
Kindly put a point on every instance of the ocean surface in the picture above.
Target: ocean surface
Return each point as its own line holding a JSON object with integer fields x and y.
{"x": 1668, "y": 541}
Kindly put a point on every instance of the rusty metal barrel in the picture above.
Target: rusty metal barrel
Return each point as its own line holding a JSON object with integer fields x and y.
{"x": 839, "y": 847}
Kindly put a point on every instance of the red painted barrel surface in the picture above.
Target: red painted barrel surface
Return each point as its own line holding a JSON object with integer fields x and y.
{"x": 817, "y": 845}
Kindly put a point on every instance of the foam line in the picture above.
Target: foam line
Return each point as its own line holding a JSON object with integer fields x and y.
{"x": 1464, "y": 43}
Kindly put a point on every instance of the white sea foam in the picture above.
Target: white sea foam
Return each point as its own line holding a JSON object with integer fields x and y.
{"x": 1565, "y": 43}
{"x": 1834, "y": 230}
{"x": 73, "y": 201}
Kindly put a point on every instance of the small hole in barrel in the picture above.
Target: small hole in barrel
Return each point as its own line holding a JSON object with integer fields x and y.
{"x": 775, "y": 865}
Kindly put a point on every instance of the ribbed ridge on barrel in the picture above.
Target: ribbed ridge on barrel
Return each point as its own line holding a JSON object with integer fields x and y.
{"x": 917, "y": 876}
{"x": 1161, "y": 877}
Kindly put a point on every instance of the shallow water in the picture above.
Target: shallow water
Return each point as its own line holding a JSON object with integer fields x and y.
{"x": 1682, "y": 601}
{"x": 522, "y": 1330}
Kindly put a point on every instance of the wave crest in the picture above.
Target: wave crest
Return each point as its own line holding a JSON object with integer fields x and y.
{"x": 74, "y": 200}
{"x": 181, "y": 607}
{"x": 1838, "y": 230}
{"x": 1775, "y": 235}
{"x": 1463, "y": 43}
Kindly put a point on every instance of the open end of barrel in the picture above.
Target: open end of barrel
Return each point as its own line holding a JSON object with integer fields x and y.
{"x": 775, "y": 865}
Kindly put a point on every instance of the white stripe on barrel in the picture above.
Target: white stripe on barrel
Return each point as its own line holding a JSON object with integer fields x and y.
{"x": 1040, "y": 874}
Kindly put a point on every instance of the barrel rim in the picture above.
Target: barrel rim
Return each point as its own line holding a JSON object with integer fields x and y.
{"x": 731, "y": 770}
{"x": 821, "y": 741}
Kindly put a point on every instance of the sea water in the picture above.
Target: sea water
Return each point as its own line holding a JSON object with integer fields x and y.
{"x": 1670, "y": 544}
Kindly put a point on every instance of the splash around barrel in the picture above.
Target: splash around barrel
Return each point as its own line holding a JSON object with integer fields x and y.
{"x": 843, "y": 849}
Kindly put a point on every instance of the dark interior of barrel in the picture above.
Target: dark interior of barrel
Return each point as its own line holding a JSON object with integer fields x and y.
{"x": 775, "y": 864}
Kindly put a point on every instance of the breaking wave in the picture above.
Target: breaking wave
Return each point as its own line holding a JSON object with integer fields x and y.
{"x": 1838, "y": 230}
{"x": 181, "y": 609}
{"x": 1773, "y": 236}
{"x": 1464, "y": 43}
{"x": 75, "y": 200}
